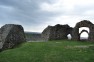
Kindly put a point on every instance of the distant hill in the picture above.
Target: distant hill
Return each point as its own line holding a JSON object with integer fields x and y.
{"x": 32, "y": 32}
{"x": 33, "y": 36}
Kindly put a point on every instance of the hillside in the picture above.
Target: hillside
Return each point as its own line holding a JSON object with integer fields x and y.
{"x": 51, "y": 51}
{"x": 33, "y": 36}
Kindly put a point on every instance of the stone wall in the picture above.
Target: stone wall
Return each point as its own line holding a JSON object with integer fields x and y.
{"x": 11, "y": 35}
{"x": 59, "y": 32}
{"x": 46, "y": 34}
{"x": 56, "y": 32}
{"x": 84, "y": 23}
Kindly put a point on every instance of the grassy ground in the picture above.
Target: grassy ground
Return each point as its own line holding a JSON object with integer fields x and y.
{"x": 51, "y": 51}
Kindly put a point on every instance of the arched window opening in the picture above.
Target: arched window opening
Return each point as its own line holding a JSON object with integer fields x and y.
{"x": 84, "y": 28}
{"x": 84, "y": 33}
{"x": 84, "y": 36}
{"x": 69, "y": 36}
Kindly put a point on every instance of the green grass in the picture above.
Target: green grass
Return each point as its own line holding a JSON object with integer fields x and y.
{"x": 51, "y": 51}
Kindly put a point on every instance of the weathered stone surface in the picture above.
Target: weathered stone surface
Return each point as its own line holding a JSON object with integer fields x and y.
{"x": 84, "y": 23}
{"x": 11, "y": 35}
{"x": 61, "y": 31}
{"x": 56, "y": 32}
{"x": 46, "y": 34}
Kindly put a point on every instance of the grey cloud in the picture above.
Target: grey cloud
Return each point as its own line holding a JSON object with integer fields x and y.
{"x": 28, "y": 13}
{"x": 25, "y": 11}
{"x": 81, "y": 9}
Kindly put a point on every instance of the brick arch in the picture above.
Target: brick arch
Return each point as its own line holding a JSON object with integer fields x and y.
{"x": 84, "y": 23}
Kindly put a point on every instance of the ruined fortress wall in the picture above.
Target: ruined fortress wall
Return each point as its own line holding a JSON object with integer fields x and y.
{"x": 11, "y": 35}
{"x": 56, "y": 32}
{"x": 59, "y": 32}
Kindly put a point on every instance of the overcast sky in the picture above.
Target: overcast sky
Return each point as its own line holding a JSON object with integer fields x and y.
{"x": 35, "y": 15}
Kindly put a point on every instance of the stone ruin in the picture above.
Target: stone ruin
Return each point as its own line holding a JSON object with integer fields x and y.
{"x": 55, "y": 32}
{"x": 84, "y": 23}
{"x": 11, "y": 35}
{"x": 59, "y": 32}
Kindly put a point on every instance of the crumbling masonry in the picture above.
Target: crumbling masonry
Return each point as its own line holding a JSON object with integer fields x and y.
{"x": 11, "y": 35}
{"x": 59, "y": 32}
{"x": 56, "y": 32}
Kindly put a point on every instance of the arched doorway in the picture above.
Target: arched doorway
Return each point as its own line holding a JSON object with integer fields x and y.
{"x": 69, "y": 36}
{"x": 84, "y": 34}
{"x": 84, "y": 23}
